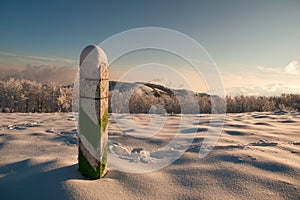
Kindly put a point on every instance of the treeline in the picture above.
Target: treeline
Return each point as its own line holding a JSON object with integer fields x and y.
{"x": 239, "y": 104}
{"x": 30, "y": 96}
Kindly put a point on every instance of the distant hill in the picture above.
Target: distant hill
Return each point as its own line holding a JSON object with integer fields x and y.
{"x": 142, "y": 97}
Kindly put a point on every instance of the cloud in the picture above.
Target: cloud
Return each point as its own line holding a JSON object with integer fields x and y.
{"x": 40, "y": 58}
{"x": 292, "y": 67}
{"x": 41, "y": 73}
{"x": 269, "y": 69}
{"x": 264, "y": 90}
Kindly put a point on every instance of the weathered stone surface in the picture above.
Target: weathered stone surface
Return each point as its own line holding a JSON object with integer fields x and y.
{"x": 93, "y": 112}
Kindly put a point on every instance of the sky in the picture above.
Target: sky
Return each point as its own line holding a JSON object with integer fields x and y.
{"x": 255, "y": 44}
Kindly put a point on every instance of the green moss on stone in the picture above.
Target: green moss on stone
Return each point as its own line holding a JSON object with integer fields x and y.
{"x": 104, "y": 157}
{"x": 104, "y": 120}
{"x": 86, "y": 169}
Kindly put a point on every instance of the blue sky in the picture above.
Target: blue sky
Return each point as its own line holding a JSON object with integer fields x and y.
{"x": 252, "y": 42}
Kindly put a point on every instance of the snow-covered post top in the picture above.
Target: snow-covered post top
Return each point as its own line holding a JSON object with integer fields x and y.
{"x": 93, "y": 112}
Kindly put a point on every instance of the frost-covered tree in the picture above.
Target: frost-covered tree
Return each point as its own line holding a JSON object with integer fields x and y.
{"x": 64, "y": 99}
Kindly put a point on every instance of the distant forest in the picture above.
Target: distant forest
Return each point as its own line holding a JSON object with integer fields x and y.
{"x": 19, "y": 95}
